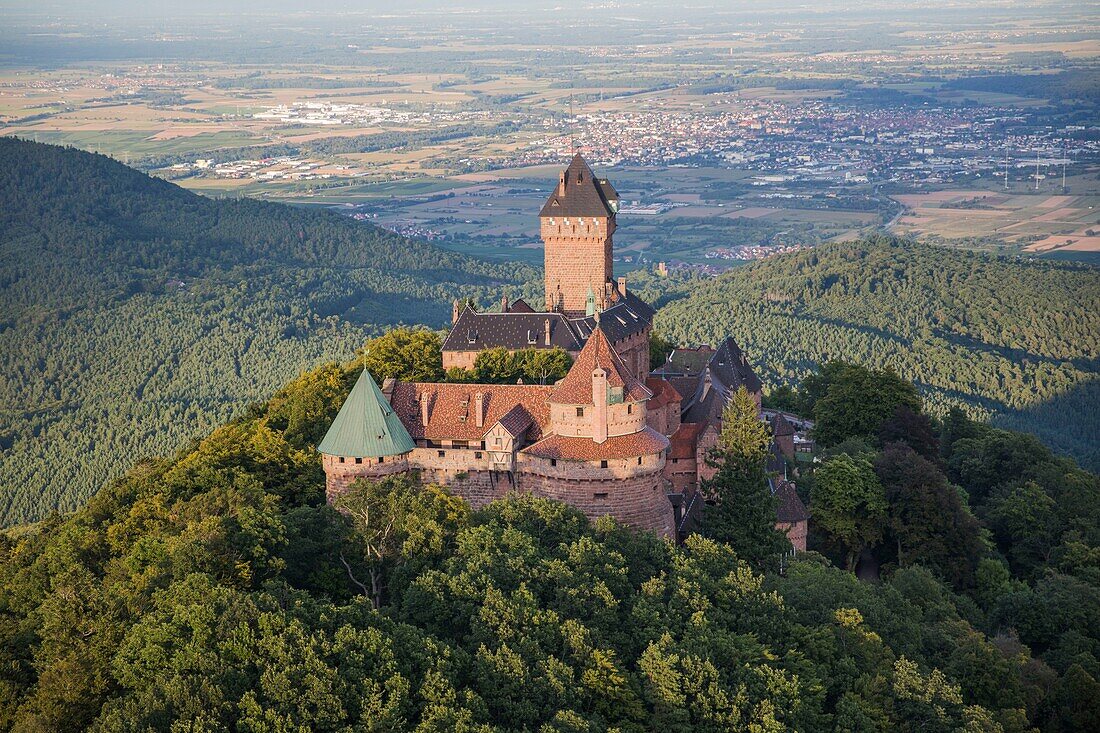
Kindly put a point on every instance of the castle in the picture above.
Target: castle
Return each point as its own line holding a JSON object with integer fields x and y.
{"x": 610, "y": 438}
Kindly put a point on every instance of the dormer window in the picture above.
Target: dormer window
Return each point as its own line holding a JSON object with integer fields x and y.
{"x": 532, "y": 337}
{"x": 471, "y": 336}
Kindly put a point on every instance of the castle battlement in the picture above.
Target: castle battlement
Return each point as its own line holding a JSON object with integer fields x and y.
{"x": 609, "y": 438}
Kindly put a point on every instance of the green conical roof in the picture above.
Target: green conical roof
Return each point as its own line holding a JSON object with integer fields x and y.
{"x": 366, "y": 426}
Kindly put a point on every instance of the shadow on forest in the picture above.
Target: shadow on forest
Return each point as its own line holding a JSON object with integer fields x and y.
{"x": 1069, "y": 422}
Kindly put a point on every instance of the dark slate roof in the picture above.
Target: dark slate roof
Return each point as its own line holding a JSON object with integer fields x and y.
{"x": 513, "y": 330}
{"x": 728, "y": 370}
{"x": 626, "y": 317}
{"x": 707, "y": 401}
{"x": 687, "y": 360}
{"x": 584, "y": 194}
{"x": 791, "y": 509}
{"x": 516, "y": 421}
{"x": 730, "y": 366}
{"x": 777, "y": 463}
{"x": 477, "y": 331}
{"x": 520, "y": 306}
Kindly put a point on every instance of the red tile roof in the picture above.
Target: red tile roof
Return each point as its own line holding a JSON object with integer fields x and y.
{"x": 646, "y": 442}
{"x": 449, "y": 418}
{"x": 781, "y": 426}
{"x": 663, "y": 393}
{"x": 576, "y": 388}
{"x": 686, "y": 439}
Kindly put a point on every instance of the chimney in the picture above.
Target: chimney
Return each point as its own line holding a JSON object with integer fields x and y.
{"x": 622, "y": 286}
{"x": 561, "y": 183}
{"x": 424, "y": 409}
{"x": 546, "y": 332}
{"x": 599, "y": 402}
{"x": 706, "y": 383}
{"x": 479, "y": 409}
{"x": 504, "y": 302}
{"x": 454, "y": 312}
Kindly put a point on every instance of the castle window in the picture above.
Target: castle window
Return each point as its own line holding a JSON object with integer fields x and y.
{"x": 460, "y": 444}
{"x": 630, "y": 409}
{"x": 381, "y": 459}
{"x": 553, "y": 461}
{"x": 639, "y": 460}
{"x": 341, "y": 459}
{"x": 600, "y": 495}
{"x": 603, "y": 464}
{"x": 358, "y": 460}
{"x": 441, "y": 453}
{"x": 477, "y": 454}
{"x": 580, "y": 412}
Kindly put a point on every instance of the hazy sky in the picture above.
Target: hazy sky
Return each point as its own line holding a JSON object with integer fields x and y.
{"x": 177, "y": 8}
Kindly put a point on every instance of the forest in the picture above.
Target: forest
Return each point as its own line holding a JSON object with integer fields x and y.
{"x": 1008, "y": 339}
{"x": 135, "y": 315}
{"x": 214, "y": 590}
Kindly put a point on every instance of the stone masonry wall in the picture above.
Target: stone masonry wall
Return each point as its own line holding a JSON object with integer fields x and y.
{"x": 796, "y": 532}
{"x": 638, "y": 502}
{"x": 577, "y": 258}
{"x": 633, "y": 494}
{"x": 340, "y": 476}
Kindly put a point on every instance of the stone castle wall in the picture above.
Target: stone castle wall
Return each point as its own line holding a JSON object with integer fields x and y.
{"x": 577, "y": 259}
{"x": 631, "y": 491}
{"x": 459, "y": 359}
{"x": 682, "y": 474}
{"x": 796, "y": 532}
{"x": 341, "y": 472}
{"x": 634, "y": 351}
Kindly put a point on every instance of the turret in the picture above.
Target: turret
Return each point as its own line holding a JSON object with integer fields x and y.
{"x": 366, "y": 440}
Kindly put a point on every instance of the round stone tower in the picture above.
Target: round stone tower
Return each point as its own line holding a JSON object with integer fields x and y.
{"x": 367, "y": 440}
{"x": 601, "y": 457}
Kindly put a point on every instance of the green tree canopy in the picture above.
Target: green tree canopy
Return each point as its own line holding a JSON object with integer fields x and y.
{"x": 408, "y": 354}
{"x": 849, "y": 505}
{"x": 856, "y": 401}
{"x": 742, "y": 508}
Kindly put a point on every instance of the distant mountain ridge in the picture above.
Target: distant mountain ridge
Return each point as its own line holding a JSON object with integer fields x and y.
{"x": 135, "y": 314}
{"x": 1012, "y": 338}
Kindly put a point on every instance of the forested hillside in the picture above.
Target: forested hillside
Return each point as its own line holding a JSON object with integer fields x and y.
{"x": 134, "y": 315}
{"x": 1015, "y": 339}
{"x": 215, "y": 591}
